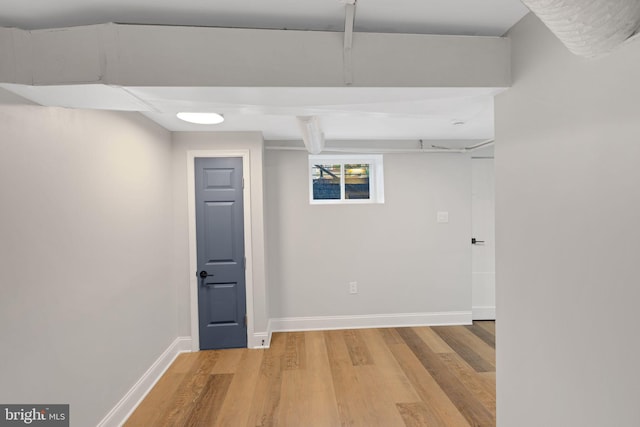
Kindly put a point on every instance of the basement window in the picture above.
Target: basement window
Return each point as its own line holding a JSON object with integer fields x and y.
{"x": 345, "y": 179}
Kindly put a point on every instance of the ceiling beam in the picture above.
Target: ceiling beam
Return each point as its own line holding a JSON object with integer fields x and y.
{"x": 166, "y": 56}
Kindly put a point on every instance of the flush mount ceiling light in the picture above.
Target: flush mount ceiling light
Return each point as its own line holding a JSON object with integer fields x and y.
{"x": 201, "y": 118}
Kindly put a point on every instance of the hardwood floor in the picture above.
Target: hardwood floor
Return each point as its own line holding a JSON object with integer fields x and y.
{"x": 438, "y": 376}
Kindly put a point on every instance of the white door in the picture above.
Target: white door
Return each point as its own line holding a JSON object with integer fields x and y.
{"x": 483, "y": 250}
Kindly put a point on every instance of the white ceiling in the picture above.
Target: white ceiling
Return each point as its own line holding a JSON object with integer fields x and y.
{"x": 345, "y": 113}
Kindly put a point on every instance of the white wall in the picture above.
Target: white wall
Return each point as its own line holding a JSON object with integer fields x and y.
{"x": 403, "y": 261}
{"x": 568, "y": 210}
{"x": 86, "y": 302}
{"x": 182, "y": 143}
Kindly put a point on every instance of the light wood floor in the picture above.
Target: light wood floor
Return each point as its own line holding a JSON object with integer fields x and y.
{"x": 438, "y": 376}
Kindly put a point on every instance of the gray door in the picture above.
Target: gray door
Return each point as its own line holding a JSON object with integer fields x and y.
{"x": 220, "y": 242}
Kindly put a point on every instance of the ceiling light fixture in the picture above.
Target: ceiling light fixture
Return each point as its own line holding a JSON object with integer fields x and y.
{"x": 201, "y": 118}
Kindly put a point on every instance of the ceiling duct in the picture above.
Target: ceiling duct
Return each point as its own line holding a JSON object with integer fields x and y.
{"x": 311, "y": 134}
{"x": 589, "y": 27}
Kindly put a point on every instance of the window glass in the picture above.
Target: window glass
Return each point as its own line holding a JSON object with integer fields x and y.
{"x": 356, "y": 181}
{"x": 326, "y": 181}
{"x": 346, "y": 179}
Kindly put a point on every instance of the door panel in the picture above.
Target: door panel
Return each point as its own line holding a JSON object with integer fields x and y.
{"x": 483, "y": 228}
{"x": 220, "y": 245}
{"x": 219, "y": 178}
{"x": 221, "y": 313}
{"x": 220, "y": 231}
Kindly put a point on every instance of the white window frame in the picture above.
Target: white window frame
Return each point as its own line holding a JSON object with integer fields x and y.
{"x": 376, "y": 177}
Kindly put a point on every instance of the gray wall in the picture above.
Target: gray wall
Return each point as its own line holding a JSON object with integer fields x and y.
{"x": 403, "y": 261}
{"x": 568, "y": 206}
{"x": 86, "y": 304}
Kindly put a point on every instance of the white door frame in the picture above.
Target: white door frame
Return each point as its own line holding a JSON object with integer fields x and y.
{"x": 193, "y": 258}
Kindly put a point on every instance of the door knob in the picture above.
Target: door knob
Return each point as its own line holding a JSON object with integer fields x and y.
{"x": 203, "y": 274}
{"x": 475, "y": 241}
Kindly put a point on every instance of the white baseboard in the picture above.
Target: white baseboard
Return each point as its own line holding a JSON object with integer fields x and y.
{"x": 263, "y": 339}
{"x": 260, "y": 340}
{"x": 484, "y": 312}
{"x": 287, "y": 324}
{"x": 125, "y": 407}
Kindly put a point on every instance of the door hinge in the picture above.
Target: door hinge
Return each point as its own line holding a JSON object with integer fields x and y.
{"x": 245, "y": 320}
{"x": 243, "y": 183}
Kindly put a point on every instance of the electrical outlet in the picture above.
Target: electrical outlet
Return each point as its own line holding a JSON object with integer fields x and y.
{"x": 353, "y": 287}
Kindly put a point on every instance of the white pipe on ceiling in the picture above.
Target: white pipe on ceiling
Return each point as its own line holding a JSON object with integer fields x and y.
{"x": 349, "y": 21}
{"x": 360, "y": 150}
{"x": 311, "y": 134}
{"x": 371, "y": 150}
{"x": 589, "y": 28}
